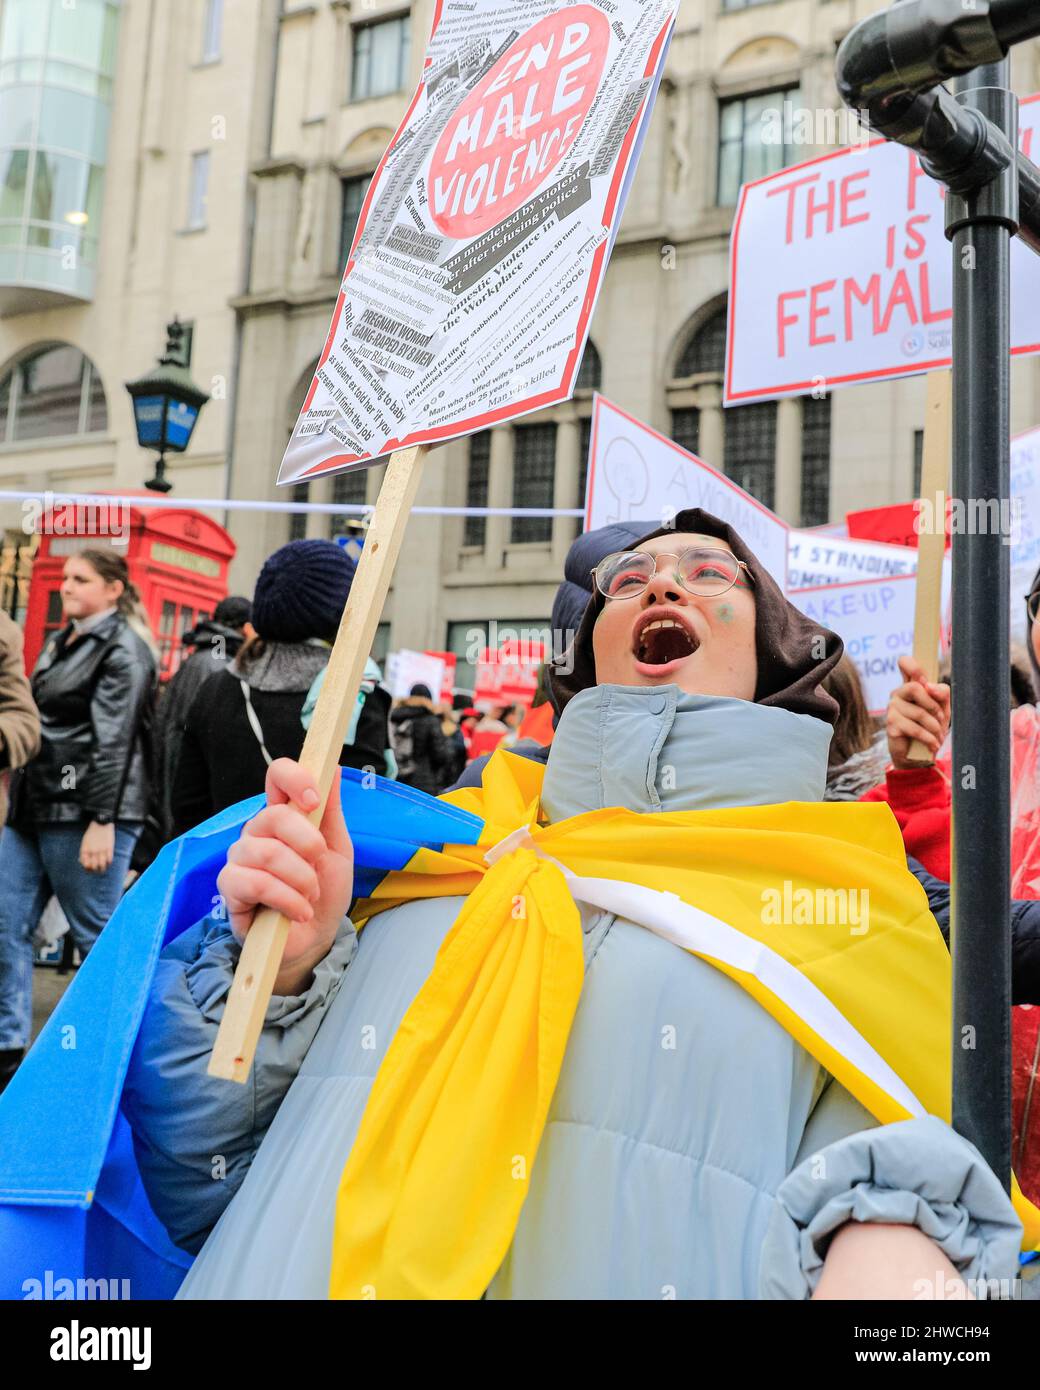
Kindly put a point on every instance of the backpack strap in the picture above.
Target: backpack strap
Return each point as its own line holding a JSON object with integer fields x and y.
{"x": 254, "y": 723}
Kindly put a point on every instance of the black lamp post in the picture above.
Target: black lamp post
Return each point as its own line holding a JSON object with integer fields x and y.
{"x": 166, "y": 405}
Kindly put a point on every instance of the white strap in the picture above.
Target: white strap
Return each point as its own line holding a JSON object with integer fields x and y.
{"x": 254, "y": 724}
{"x": 666, "y": 915}
{"x": 692, "y": 929}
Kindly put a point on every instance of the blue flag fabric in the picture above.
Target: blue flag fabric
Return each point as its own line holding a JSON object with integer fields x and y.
{"x": 74, "y": 1217}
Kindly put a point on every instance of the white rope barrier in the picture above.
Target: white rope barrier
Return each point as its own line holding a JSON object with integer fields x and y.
{"x": 47, "y": 500}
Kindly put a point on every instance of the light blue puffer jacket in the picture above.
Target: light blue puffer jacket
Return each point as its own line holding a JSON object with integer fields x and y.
{"x": 693, "y": 1148}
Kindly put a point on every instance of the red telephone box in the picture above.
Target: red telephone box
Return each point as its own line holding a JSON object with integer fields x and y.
{"x": 178, "y": 559}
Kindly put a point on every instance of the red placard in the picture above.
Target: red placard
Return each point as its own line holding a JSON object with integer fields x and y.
{"x": 895, "y": 525}
{"x": 508, "y": 675}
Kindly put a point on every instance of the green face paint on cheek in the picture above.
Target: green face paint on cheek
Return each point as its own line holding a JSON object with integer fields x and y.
{"x": 724, "y": 612}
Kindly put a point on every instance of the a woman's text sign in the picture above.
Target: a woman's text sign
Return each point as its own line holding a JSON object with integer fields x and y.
{"x": 841, "y": 273}
{"x": 637, "y": 474}
{"x": 484, "y": 237}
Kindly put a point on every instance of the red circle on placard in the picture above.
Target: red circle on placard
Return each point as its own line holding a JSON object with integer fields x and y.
{"x": 519, "y": 121}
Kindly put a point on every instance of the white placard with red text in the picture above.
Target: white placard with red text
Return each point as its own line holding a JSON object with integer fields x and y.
{"x": 405, "y": 669}
{"x": 484, "y": 236}
{"x": 840, "y": 272}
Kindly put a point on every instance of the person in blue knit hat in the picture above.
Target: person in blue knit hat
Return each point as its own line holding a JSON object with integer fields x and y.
{"x": 245, "y": 716}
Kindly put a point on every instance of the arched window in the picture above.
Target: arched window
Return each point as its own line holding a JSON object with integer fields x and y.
{"x": 590, "y": 373}
{"x": 743, "y": 441}
{"x": 53, "y": 391}
{"x": 706, "y": 350}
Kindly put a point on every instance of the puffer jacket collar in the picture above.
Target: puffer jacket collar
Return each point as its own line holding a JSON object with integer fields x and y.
{"x": 660, "y": 749}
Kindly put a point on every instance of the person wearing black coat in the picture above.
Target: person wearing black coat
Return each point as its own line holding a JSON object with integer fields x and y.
{"x": 214, "y": 643}
{"x": 424, "y": 759}
{"x": 244, "y": 717}
{"x": 77, "y": 808}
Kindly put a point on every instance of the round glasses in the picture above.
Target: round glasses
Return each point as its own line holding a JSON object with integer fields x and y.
{"x": 702, "y": 570}
{"x": 1032, "y": 604}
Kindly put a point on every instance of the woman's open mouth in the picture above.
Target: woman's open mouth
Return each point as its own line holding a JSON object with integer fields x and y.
{"x": 662, "y": 643}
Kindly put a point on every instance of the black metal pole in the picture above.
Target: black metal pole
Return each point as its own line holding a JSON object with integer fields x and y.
{"x": 981, "y": 224}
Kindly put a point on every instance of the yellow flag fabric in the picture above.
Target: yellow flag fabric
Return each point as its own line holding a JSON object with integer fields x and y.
{"x": 434, "y": 1184}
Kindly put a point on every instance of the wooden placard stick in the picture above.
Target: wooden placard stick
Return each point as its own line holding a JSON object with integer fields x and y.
{"x": 261, "y": 956}
{"x": 931, "y": 544}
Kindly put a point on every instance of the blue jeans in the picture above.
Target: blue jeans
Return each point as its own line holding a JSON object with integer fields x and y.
{"x": 32, "y": 866}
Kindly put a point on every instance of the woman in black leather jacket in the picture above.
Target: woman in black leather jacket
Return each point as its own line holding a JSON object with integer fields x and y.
{"x": 77, "y": 809}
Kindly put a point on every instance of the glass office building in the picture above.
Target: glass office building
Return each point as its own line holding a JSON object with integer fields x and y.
{"x": 57, "y": 63}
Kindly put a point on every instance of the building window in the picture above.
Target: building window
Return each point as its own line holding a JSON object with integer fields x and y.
{"x": 686, "y": 428}
{"x": 749, "y": 452}
{"x": 381, "y": 644}
{"x": 347, "y": 489}
{"x": 534, "y": 476}
{"x": 918, "y": 460}
{"x": 56, "y": 66}
{"x": 53, "y": 391}
{"x": 706, "y": 350}
{"x": 816, "y": 461}
{"x": 475, "y": 530}
{"x": 212, "y": 25}
{"x": 354, "y": 191}
{"x": 590, "y": 373}
{"x": 380, "y": 58}
{"x": 466, "y": 639}
{"x": 744, "y": 152}
{"x": 728, "y": 5}
{"x": 298, "y": 520}
{"x": 198, "y": 191}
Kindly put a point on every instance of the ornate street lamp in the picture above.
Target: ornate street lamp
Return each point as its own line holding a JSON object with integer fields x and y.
{"x": 166, "y": 405}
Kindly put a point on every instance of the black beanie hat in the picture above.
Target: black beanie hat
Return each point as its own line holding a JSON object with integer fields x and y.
{"x": 301, "y": 591}
{"x": 789, "y": 673}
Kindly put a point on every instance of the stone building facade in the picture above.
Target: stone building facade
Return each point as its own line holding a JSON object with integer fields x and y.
{"x": 240, "y": 138}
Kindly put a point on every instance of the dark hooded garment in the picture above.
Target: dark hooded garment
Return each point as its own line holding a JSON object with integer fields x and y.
{"x": 786, "y": 641}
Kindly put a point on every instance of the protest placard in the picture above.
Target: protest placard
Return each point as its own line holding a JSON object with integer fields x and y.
{"x": 892, "y": 525}
{"x": 814, "y": 560}
{"x": 840, "y": 272}
{"x": 466, "y": 300}
{"x": 449, "y": 661}
{"x": 1025, "y": 542}
{"x": 507, "y": 674}
{"x": 875, "y": 620}
{"x": 484, "y": 236}
{"x": 636, "y": 474}
{"x": 406, "y": 668}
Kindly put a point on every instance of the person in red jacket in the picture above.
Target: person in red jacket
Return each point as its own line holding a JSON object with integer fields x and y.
{"x": 920, "y": 799}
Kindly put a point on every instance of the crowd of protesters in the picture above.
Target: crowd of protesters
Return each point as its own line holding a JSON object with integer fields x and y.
{"x": 101, "y": 767}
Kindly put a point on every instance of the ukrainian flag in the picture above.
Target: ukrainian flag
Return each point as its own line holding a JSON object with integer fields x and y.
{"x": 71, "y": 1197}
